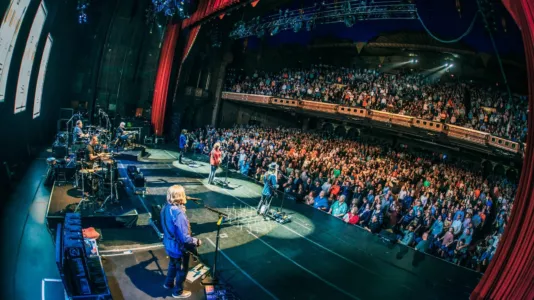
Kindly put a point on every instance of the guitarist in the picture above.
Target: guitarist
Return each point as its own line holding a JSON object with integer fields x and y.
{"x": 270, "y": 184}
{"x": 177, "y": 240}
{"x": 215, "y": 161}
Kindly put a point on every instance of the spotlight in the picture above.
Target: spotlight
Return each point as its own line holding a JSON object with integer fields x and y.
{"x": 416, "y": 61}
{"x": 412, "y": 61}
{"x": 447, "y": 64}
{"x": 451, "y": 65}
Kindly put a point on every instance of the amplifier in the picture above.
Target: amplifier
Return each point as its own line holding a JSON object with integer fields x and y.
{"x": 132, "y": 171}
{"x": 139, "y": 181}
{"x": 60, "y": 150}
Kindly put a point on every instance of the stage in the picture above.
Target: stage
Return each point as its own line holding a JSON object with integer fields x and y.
{"x": 315, "y": 256}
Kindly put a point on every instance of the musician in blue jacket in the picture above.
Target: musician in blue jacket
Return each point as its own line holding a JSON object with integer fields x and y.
{"x": 270, "y": 184}
{"x": 182, "y": 144}
{"x": 177, "y": 240}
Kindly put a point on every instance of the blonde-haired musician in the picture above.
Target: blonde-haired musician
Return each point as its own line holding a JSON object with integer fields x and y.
{"x": 177, "y": 240}
{"x": 215, "y": 161}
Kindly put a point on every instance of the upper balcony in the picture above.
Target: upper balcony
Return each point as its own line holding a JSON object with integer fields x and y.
{"x": 459, "y": 135}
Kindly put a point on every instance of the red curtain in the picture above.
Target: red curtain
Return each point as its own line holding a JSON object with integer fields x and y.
{"x": 510, "y": 275}
{"x": 159, "y": 102}
{"x": 207, "y": 8}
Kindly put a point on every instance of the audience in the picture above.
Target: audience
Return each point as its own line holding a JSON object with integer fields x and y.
{"x": 460, "y": 103}
{"x": 440, "y": 207}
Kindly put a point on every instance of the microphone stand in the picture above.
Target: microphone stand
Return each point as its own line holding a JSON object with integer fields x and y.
{"x": 214, "y": 281}
{"x": 226, "y": 182}
{"x": 281, "y": 209}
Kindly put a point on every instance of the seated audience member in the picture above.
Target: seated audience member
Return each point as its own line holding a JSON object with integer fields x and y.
{"x": 365, "y": 215}
{"x": 339, "y": 208}
{"x": 446, "y": 240}
{"x": 457, "y": 225}
{"x": 423, "y": 244}
{"x": 321, "y": 202}
{"x": 309, "y": 199}
{"x": 373, "y": 226}
{"x": 352, "y": 216}
{"x": 408, "y": 236}
{"x": 437, "y": 228}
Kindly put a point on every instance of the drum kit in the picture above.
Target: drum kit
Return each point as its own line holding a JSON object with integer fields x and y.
{"x": 98, "y": 181}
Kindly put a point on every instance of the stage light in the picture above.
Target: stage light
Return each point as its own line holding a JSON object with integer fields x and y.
{"x": 447, "y": 64}
{"x": 170, "y": 8}
{"x": 451, "y": 65}
{"x": 416, "y": 61}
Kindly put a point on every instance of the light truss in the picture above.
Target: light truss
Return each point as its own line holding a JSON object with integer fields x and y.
{"x": 345, "y": 11}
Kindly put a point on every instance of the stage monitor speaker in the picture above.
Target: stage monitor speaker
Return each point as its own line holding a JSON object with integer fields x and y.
{"x": 62, "y": 125}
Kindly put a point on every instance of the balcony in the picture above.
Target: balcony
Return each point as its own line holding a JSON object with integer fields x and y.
{"x": 465, "y": 135}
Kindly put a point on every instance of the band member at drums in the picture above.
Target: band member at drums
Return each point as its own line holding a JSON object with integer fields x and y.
{"x": 78, "y": 134}
{"x": 122, "y": 135}
{"x": 177, "y": 240}
{"x": 215, "y": 161}
{"x": 270, "y": 184}
{"x": 92, "y": 152}
{"x": 182, "y": 145}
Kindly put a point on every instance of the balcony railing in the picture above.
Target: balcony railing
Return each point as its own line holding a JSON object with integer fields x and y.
{"x": 453, "y": 131}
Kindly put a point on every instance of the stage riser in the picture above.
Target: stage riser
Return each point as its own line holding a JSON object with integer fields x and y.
{"x": 98, "y": 221}
{"x": 64, "y": 199}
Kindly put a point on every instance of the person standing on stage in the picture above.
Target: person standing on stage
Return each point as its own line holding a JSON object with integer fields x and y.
{"x": 215, "y": 161}
{"x": 181, "y": 145}
{"x": 177, "y": 240}
{"x": 270, "y": 184}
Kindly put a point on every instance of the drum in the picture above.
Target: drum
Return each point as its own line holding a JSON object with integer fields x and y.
{"x": 90, "y": 180}
{"x": 110, "y": 168}
{"x": 62, "y": 138}
{"x": 81, "y": 153}
{"x": 87, "y": 172}
{"x": 51, "y": 161}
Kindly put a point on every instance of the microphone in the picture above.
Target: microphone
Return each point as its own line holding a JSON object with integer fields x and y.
{"x": 196, "y": 200}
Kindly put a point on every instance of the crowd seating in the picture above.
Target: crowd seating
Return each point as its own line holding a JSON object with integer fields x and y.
{"x": 455, "y": 102}
{"x": 439, "y": 207}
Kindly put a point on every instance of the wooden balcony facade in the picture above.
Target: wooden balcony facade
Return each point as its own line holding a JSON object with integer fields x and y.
{"x": 452, "y": 131}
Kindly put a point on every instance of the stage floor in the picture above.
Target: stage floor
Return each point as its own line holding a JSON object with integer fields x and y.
{"x": 121, "y": 224}
{"x": 141, "y": 276}
{"x": 315, "y": 256}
